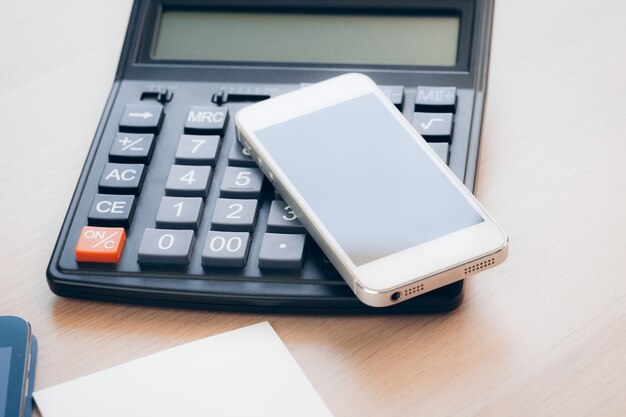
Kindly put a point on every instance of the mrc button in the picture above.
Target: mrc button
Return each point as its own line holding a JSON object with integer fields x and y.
{"x": 112, "y": 210}
{"x": 435, "y": 99}
{"x": 206, "y": 120}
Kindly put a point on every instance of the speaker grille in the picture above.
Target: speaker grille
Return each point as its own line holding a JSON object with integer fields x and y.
{"x": 479, "y": 265}
{"x": 413, "y": 290}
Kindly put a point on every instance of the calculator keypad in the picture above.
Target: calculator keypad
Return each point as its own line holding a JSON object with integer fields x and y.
{"x": 190, "y": 200}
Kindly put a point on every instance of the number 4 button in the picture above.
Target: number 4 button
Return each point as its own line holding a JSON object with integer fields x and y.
{"x": 188, "y": 181}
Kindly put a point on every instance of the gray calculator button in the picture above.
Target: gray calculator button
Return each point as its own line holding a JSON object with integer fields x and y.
{"x": 112, "y": 210}
{"x": 141, "y": 118}
{"x": 395, "y": 94}
{"x": 241, "y": 182}
{"x": 132, "y": 147}
{"x": 441, "y": 149}
{"x": 197, "y": 149}
{"x": 159, "y": 246}
{"x": 435, "y": 99}
{"x": 179, "y": 213}
{"x": 206, "y": 120}
{"x": 434, "y": 127}
{"x": 188, "y": 181}
{"x": 282, "y": 251}
{"x": 121, "y": 178}
{"x": 282, "y": 219}
{"x": 239, "y": 156}
{"x": 226, "y": 249}
{"x": 235, "y": 215}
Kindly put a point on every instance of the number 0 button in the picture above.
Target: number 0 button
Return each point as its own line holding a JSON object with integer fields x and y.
{"x": 166, "y": 246}
{"x": 226, "y": 249}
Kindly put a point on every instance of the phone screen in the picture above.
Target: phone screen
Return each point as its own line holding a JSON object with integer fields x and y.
{"x": 5, "y": 367}
{"x": 367, "y": 180}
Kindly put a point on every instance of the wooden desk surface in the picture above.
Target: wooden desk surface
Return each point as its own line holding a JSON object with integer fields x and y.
{"x": 542, "y": 335}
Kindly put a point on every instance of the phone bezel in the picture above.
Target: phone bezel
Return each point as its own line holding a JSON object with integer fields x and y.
{"x": 16, "y": 334}
{"x": 384, "y": 275}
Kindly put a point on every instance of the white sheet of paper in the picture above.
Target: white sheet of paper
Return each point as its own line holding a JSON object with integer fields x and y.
{"x": 244, "y": 372}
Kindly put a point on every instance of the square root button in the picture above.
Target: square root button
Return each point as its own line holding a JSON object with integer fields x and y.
{"x": 434, "y": 127}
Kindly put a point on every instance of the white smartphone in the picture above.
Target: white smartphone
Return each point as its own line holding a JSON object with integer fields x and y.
{"x": 388, "y": 213}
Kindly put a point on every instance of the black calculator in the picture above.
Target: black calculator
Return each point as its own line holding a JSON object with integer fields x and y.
{"x": 171, "y": 210}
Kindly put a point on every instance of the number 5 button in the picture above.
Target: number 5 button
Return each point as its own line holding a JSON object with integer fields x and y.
{"x": 242, "y": 182}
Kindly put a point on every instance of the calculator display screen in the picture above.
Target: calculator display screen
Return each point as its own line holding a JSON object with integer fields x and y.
{"x": 402, "y": 39}
{"x": 367, "y": 179}
{"x": 5, "y": 367}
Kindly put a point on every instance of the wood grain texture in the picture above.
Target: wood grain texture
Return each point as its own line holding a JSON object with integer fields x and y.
{"x": 542, "y": 335}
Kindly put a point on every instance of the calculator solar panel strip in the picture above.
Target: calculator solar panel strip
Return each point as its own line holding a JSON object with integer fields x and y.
{"x": 168, "y": 210}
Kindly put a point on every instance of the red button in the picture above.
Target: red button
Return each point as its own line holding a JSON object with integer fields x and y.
{"x": 100, "y": 244}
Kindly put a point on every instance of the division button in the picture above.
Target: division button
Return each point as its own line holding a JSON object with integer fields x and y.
{"x": 282, "y": 251}
{"x": 441, "y": 149}
{"x": 239, "y": 156}
{"x": 241, "y": 182}
{"x": 142, "y": 118}
{"x": 435, "y": 99}
{"x": 234, "y": 215}
{"x": 197, "y": 150}
{"x": 434, "y": 127}
{"x": 282, "y": 219}
{"x": 121, "y": 179}
{"x": 228, "y": 249}
{"x": 206, "y": 120}
{"x": 112, "y": 210}
{"x": 188, "y": 181}
{"x": 100, "y": 244}
{"x": 132, "y": 148}
{"x": 159, "y": 246}
{"x": 179, "y": 213}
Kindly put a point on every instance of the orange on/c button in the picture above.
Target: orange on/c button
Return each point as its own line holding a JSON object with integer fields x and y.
{"x": 100, "y": 244}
